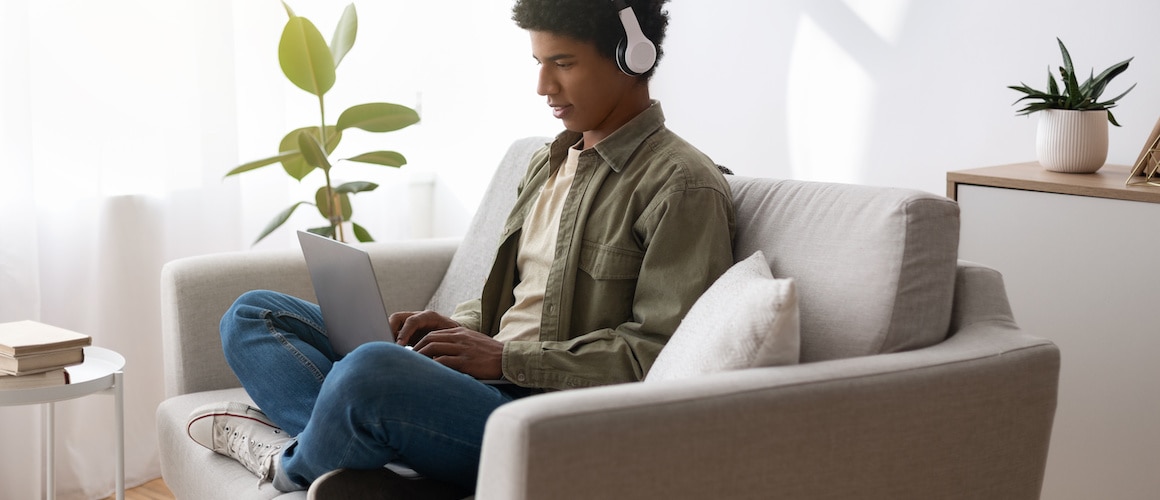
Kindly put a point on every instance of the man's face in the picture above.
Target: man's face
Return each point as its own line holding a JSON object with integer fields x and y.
{"x": 584, "y": 88}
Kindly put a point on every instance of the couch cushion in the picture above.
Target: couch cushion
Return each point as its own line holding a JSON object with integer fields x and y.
{"x": 468, "y": 270}
{"x": 191, "y": 471}
{"x": 874, "y": 267}
{"x": 747, "y": 319}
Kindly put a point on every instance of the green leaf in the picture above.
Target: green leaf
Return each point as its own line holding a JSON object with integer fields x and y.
{"x": 1067, "y": 77}
{"x": 1112, "y": 102}
{"x": 324, "y": 207}
{"x": 1086, "y": 87}
{"x": 356, "y": 187}
{"x": 305, "y": 58}
{"x": 377, "y": 117}
{"x": 1026, "y": 90}
{"x": 1112, "y": 118}
{"x": 1108, "y": 74}
{"x": 1097, "y": 89}
{"x": 327, "y": 231}
{"x": 361, "y": 233}
{"x": 1069, "y": 93}
{"x": 344, "y": 34}
{"x": 283, "y": 156}
{"x": 1035, "y": 106}
{"x": 1034, "y": 94}
{"x": 1068, "y": 68}
{"x": 1072, "y": 89}
{"x": 312, "y": 152}
{"x": 289, "y": 11}
{"x": 384, "y": 158}
{"x": 278, "y": 220}
{"x": 1101, "y": 82}
{"x": 297, "y": 167}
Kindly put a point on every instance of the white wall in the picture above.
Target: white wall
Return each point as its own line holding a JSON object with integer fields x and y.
{"x": 883, "y": 92}
{"x": 891, "y": 92}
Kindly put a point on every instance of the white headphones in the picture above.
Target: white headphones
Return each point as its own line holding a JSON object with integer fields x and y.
{"x": 635, "y": 54}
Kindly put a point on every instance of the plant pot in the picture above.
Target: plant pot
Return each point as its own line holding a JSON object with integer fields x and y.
{"x": 1074, "y": 142}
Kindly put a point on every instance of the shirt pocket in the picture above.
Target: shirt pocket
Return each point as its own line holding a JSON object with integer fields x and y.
{"x": 603, "y": 262}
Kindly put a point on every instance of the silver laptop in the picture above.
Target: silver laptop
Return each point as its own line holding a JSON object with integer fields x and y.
{"x": 347, "y": 291}
{"x": 348, "y": 294}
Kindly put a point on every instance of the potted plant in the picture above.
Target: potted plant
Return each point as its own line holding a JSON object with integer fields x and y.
{"x": 309, "y": 63}
{"x": 1073, "y": 121}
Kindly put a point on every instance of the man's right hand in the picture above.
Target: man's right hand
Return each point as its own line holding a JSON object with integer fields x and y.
{"x": 411, "y": 326}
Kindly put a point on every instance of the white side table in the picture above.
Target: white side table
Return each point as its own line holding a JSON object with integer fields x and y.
{"x": 101, "y": 372}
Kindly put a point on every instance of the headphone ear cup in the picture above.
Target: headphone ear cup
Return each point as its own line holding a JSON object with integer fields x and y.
{"x": 635, "y": 54}
{"x": 635, "y": 59}
{"x": 622, "y": 58}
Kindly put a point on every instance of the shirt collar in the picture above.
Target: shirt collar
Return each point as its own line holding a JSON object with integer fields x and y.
{"x": 619, "y": 146}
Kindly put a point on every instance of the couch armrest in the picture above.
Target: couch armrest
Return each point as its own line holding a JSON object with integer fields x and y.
{"x": 196, "y": 291}
{"x": 967, "y": 418}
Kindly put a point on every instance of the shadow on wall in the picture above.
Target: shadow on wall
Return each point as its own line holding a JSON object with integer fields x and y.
{"x": 890, "y": 92}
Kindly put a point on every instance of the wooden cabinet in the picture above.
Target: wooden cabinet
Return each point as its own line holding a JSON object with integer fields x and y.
{"x": 1080, "y": 255}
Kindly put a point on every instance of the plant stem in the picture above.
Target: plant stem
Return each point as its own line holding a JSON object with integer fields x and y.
{"x": 331, "y": 203}
{"x": 340, "y": 231}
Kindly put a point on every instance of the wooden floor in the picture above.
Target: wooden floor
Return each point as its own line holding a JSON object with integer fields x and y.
{"x": 153, "y": 490}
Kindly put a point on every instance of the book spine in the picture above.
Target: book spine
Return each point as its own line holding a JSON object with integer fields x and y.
{"x": 4, "y": 354}
{"x": 59, "y": 376}
{"x": 41, "y": 363}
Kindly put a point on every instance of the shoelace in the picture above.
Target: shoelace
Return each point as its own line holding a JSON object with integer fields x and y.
{"x": 256, "y": 456}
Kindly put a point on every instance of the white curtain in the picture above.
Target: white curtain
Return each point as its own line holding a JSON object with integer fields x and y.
{"x": 112, "y": 142}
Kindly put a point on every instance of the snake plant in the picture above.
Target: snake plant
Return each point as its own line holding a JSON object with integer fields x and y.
{"x": 310, "y": 64}
{"x": 1068, "y": 93}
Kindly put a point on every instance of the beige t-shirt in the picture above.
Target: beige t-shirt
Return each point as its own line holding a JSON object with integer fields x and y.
{"x": 537, "y": 250}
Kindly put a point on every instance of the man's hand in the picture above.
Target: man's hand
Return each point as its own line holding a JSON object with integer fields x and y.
{"x": 411, "y": 326}
{"x": 465, "y": 351}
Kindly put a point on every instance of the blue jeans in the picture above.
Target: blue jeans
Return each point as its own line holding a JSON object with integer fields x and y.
{"x": 379, "y": 404}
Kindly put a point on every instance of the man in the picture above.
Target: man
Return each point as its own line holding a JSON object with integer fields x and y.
{"x": 618, "y": 228}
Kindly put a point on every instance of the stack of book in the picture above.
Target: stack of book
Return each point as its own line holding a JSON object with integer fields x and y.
{"x": 34, "y": 354}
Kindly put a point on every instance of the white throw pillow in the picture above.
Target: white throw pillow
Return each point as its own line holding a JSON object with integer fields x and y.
{"x": 746, "y": 319}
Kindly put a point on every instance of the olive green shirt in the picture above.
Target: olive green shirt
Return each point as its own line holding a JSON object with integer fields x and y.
{"x": 646, "y": 227}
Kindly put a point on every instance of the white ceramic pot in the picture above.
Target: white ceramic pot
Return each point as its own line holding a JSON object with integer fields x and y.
{"x": 1075, "y": 142}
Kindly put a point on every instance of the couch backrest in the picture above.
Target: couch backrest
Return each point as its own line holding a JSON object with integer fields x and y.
{"x": 874, "y": 266}
{"x": 468, "y": 270}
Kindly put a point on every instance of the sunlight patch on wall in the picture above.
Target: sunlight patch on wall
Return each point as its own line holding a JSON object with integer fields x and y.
{"x": 884, "y": 17}
{"x": 829, "y": 103}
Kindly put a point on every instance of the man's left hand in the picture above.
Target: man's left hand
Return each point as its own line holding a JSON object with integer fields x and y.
{"x": 464, "y": 350}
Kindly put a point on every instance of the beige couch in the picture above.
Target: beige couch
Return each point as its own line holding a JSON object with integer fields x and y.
{"x": 916, "y": 382}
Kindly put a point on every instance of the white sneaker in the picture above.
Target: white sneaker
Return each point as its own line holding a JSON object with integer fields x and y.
{"x": 241, "y": 432}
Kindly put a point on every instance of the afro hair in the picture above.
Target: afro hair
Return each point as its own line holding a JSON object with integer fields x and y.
{"x": 592, "y": 21}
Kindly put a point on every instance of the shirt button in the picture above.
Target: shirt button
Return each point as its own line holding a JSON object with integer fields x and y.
{"x": 522, "y": 378}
